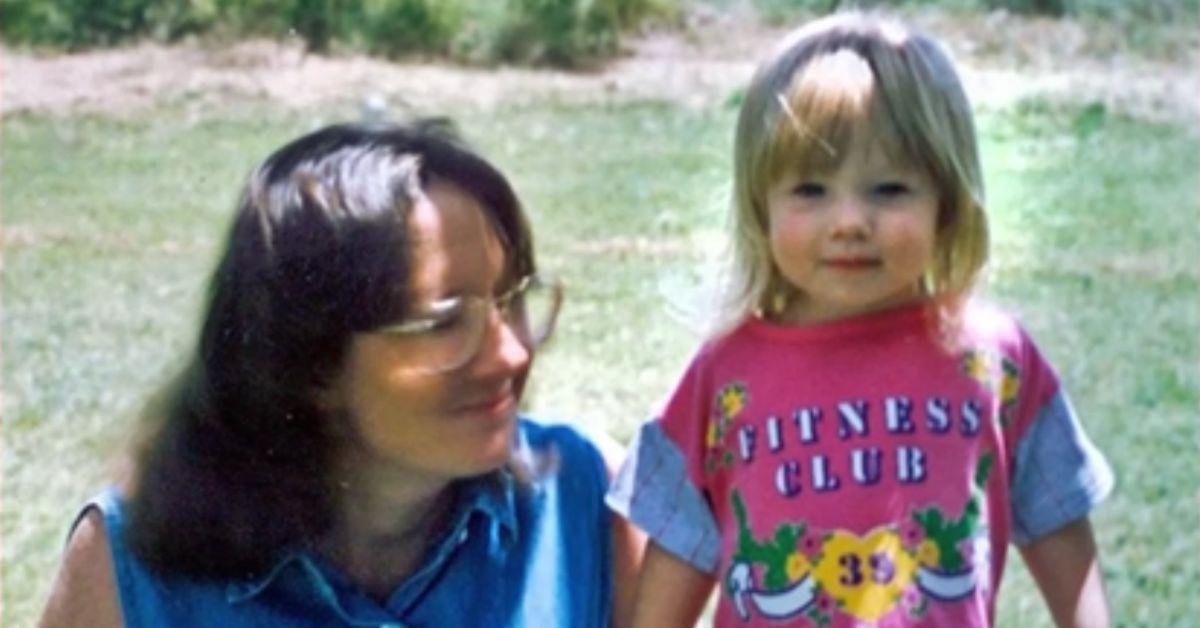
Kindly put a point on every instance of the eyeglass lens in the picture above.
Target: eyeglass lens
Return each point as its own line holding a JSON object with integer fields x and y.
{"x": 455, "y": 339}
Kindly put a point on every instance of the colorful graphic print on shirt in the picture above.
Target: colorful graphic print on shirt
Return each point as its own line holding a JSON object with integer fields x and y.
{"x": 933, "y": 554}
{"x": 814, "y": 573}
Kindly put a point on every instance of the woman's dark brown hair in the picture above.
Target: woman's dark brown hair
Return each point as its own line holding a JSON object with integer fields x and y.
{"x": 237, "y": 466}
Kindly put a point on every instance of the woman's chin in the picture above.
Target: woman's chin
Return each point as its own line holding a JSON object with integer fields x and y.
{"x": 497, "y": 448}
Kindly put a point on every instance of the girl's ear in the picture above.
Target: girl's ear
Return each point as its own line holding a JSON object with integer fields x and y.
{"x": 945, "y": 215}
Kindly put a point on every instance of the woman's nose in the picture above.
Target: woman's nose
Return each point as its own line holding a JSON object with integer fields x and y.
{"x": 504, "y": 347}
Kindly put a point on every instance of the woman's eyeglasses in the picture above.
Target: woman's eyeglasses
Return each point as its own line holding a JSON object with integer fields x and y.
{"x": 446, "y": 334}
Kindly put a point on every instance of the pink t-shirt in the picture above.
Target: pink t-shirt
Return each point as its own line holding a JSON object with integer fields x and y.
{"x": 856, "y": 471}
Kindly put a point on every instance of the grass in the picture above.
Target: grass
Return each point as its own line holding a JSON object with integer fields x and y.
{"x": 1096, "y": 236}
{"x": 111, "y": 226}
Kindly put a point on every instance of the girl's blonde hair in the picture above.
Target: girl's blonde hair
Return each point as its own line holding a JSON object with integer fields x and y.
{"x": 822, "y": 84}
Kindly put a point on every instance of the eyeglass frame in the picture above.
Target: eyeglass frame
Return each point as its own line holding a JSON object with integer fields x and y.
{"x": 501, "y": 303}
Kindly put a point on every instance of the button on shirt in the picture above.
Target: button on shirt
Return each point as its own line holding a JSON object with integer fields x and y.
{"x": 534, "y": 553}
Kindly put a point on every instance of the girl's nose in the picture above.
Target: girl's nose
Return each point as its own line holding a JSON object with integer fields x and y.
{"x": 851, "y": 218}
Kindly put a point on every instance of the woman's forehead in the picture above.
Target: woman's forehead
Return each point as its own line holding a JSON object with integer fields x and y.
{"x": 454, "y": 247}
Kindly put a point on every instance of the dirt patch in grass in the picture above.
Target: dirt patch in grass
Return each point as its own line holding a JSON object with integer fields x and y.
{"x": 1003, "y": 58}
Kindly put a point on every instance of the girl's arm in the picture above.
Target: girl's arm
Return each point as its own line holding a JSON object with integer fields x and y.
{"x": 628, "y": 545}
{"x": 84, "y": 592}
{"x": 628, "y": 542}
{"x": 1066, "y": 567}
{"x": 670, "y": 593}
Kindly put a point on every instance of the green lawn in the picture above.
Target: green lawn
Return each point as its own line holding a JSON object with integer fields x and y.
{"x": 111, "y": 226}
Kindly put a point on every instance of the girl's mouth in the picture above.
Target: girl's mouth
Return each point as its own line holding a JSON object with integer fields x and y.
{"x": 852, "y": 263}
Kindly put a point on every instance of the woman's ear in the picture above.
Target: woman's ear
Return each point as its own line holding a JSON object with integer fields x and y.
{"x": 328, "y": 396}
{"x": 330, "y": 401}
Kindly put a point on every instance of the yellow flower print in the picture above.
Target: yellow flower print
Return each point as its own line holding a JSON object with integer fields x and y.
{"x": 928, "y": 553}
{"x": 978, "y": 366}
{"x": 732, "y": 399}
{"x": 714, "y": 434}
{"x": 797, "y": 566}
{"x": 1010, "y": 382}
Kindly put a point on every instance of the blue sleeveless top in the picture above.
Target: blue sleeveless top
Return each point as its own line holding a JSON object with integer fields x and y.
{"x": 536, "y": 555}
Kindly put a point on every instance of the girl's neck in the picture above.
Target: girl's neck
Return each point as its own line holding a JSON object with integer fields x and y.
{"x": 796, "y": 309}
{"x": 386, "y": 520}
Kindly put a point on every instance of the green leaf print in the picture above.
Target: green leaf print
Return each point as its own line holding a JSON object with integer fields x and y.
{"x": 773, "y": 554}
{"x": 947, "y": 535}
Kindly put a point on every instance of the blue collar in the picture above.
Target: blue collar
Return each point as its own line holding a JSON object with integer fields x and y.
{"x": 493, "y": 496}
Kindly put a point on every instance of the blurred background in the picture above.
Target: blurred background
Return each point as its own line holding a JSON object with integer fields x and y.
{"x": 128, "y": 127}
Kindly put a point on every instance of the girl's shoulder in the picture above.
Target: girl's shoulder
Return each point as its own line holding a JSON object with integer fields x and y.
{"x": 982, "y": 321}
{"x": 989, "y": 330}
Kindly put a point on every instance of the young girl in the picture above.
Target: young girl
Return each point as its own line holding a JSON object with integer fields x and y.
{"x": 862, "y": 443}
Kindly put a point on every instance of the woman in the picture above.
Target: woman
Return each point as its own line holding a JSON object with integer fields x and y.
{"x": 343, "y": 447}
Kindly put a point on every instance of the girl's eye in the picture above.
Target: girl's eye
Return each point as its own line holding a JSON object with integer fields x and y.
{"x": 809, "y": 190}
{"x": 890, "y": 189}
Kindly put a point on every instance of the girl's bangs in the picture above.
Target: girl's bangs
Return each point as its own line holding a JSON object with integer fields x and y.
{"x": 826, "y": 105}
